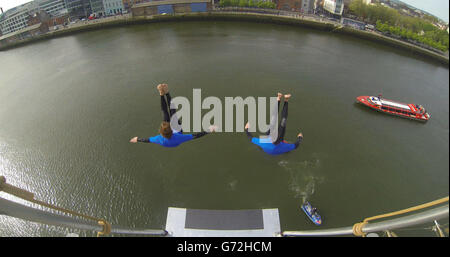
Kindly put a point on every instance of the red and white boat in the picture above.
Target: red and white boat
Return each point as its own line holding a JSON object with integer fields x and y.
{"x": 410, "y": 111}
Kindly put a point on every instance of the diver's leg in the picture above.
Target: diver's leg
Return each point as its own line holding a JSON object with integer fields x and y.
{"x": 172, "y": 112}
{"x": 272, "y": 117}
{"x": 169, "y": 99}
{"x": 162, "y": 92}
{"x": 164, "y": 109}
{"x": 283, "y": 121}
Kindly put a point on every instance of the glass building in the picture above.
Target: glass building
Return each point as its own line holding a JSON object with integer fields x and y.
{"x": 16, "y": 18}
{"x": 113, "y": 7}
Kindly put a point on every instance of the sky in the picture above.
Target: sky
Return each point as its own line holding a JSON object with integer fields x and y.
{"x": 8, "y": 4}
{"x": 439, "y": 8}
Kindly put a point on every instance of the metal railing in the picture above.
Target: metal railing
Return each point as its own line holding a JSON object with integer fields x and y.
{"x": 20, "y": 211}
{"x": 401, "y": 222}
{"x": 429, "y": 212}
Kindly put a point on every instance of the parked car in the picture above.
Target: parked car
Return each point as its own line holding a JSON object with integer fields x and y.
{"x": 370, "y": 27}
{"x": 93, "y": 16}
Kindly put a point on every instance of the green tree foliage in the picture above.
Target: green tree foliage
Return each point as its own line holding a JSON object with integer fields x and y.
{"x": 248, "y": 3}
{"x": 224, "y": 3}
{"x": 243, "y": 3}
{"x": 430, "y": 18}
{"x": 432, "y": 38}
{"x": 390, "y": 20}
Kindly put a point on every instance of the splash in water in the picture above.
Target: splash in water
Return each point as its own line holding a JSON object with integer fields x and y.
{"x": 232, "y": 185}
{"x": 303, "y": 177}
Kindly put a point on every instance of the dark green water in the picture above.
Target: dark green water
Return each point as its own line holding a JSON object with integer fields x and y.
{"x": 69, "y": 106}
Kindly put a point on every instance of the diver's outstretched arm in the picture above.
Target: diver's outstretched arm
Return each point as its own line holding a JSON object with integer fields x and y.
{"x": 203, "y": 133}
{"x": 199, "y": 134}
{"x": 138, "y": 139}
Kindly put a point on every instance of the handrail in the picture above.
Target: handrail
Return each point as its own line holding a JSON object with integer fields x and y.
{"x": 406, "y": 221}
{"x": 28, "y": 213}
{"x": 20, "y": 211}
{"x": 28, "y": 196}
{"x": 357, "y": 228}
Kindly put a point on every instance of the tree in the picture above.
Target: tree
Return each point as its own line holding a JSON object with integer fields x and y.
{"x": 243, "y": 3}
{"x": 234, "y": 3}
{"x": 390, "y": 20}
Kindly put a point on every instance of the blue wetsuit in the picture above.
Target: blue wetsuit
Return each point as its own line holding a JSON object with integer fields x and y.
{"x": 279, "y": 146}
{"x": 274, "y": 149}
{"x": 176, "y": 139}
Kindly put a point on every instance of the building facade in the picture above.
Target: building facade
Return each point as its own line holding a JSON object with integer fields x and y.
{"x": 127, "y": 4}
{"x": 78, "y": 8}
{"x": 334, "y": 7}
{"x": 52, "y": 7}
{"x": 308, "y": 6}
{"x": 38, "y": 17}
{"x": 171, "y": 7}
{"x": 113, "y": 7}
{"x": 97, "y": 7}
{"x": 25, "y": 33}
{"x": 16, "y": 18}
{"x": 289, "y": 5}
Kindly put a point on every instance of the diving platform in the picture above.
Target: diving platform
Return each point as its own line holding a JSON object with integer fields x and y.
{"x": 222, "y": 223}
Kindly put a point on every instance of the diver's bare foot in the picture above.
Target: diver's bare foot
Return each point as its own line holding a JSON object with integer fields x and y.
{"x": 161, "y": 89}
{"x": 279, "y": 96}
{"x": 286, "y": 97}
{"x": 166, "y": 88}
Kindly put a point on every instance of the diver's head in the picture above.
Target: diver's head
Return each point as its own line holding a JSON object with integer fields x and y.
{"x": 165, "y": 130}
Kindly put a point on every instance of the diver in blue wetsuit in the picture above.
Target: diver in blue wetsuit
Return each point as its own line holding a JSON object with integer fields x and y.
{"x": 277, "y": 146}
{"x": 169, "y": 137}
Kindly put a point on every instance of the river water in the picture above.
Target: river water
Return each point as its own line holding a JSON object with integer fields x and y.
{"x": 69, "y": 106}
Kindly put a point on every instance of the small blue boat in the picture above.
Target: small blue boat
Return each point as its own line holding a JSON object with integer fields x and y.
{"x": 314, "y": 217}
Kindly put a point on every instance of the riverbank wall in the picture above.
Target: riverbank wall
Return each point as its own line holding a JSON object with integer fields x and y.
{"x": 298, "y": 20}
